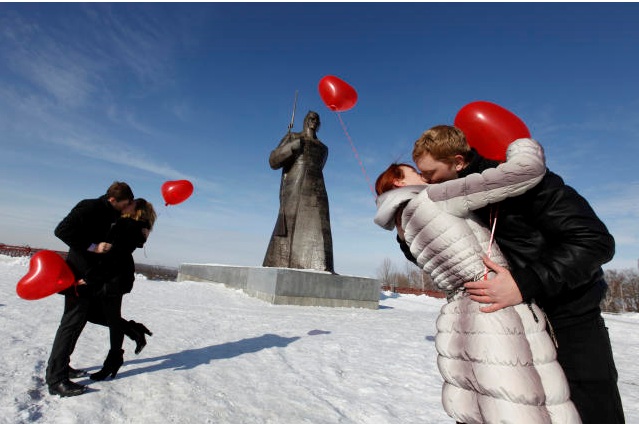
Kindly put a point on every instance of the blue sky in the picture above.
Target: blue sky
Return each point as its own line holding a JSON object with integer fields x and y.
{"x": 150, "y": 92}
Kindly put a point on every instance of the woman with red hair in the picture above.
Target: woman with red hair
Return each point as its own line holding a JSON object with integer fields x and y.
{"x": 498, "y": 367}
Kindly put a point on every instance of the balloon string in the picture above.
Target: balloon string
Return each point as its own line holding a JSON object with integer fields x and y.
{"x": 356, "y": 155}
{"x": 493, "y": 221}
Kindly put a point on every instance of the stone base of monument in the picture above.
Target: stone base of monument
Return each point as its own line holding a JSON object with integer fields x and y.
{"x": 287, "y": 286}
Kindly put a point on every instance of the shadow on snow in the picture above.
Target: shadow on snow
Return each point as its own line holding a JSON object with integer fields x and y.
{"x": 191, "y": 358}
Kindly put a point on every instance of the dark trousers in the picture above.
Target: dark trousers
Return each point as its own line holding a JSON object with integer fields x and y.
{"x": 73, "y": 321}
{"x": 107, "y": 311}
{"x": 112, "y": 307}
{"x": 585, "y": 354}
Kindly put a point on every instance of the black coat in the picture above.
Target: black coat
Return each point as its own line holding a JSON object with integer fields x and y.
{"x": 88, "y": 223}
{"x": 115, "y": 271}
{"x": 555, "y": 245}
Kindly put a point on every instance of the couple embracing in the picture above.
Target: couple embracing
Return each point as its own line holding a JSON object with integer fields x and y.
{"x": 521, "y": 338}
{"x": 101, "y": 234}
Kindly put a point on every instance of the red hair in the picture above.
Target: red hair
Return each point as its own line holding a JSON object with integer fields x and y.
{"x": 386, "y": 181}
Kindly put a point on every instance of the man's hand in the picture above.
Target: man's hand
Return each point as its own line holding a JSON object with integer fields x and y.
{"x": 501, "y": 291}
{"x": 81, "y": 282}
{"x": 103, "y": 247}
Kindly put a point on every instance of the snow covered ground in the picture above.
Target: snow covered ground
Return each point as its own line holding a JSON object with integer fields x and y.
{"x": 220, "y": 356}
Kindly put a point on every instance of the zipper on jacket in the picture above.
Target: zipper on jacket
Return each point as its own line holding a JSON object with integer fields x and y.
{"x": 551, "y": 330}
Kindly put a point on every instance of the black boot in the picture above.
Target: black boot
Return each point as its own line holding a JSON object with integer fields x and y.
{"x": 67, "y": 388}
{"x": 73, "y": 373}
{"x": 136, "y": 331}
{"x": 111, "y": 365}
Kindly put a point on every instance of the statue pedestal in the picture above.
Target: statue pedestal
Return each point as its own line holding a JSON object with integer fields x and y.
{"x": 288, "y": 286}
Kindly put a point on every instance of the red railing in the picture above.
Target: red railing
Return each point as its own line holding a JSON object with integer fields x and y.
{"x": 16, "y": 251}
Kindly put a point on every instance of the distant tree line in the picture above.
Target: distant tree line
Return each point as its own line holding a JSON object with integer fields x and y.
{"x": 157, "y": 272}
{"x": 622, "y": 295}
{"x": 410, "y": 279}
{"x": 623, "y": 291}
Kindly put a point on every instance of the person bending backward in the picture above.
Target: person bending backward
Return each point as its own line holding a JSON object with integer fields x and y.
{"x": 115, "y": 274}
{"x": 555, "y": 245}
{"x": 500, "y": 367}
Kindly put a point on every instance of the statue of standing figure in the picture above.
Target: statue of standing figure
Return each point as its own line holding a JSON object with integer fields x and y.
{"x": 302, "y": 234}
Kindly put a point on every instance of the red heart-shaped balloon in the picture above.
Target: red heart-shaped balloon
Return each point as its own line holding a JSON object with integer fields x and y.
{"x": 490, "y": 128}
{"x": 337, "y": 94}
{"x": 175, "y": 192}
{"x": 48, "y": 274}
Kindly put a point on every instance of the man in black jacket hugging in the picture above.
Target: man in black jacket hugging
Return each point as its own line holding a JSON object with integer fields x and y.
{"x": 84, "y": 230}
{"x": 555, "y": 245}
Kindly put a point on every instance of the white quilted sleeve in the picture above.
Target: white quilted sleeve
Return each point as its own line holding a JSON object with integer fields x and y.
{"x": 524, "y": 168}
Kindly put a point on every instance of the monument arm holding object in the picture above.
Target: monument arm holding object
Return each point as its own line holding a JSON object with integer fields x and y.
{"x": 285, "y": 153}
{"x": 288, "y": 147}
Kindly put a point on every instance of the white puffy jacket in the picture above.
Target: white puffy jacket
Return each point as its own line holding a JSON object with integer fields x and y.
{"x": 498, "y": 367}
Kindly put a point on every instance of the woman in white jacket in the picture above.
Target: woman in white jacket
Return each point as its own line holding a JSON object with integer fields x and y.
{"x": 498, "y": 367}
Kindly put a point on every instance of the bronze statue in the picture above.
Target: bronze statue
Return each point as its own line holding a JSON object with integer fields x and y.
{"x": 302, "y": 234}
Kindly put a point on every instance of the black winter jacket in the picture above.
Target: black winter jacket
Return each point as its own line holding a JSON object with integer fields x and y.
{"x": 88, "y": 223}
{"x": 555, "y": 245}
{"x": 115, "y": 272}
